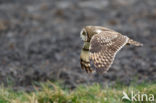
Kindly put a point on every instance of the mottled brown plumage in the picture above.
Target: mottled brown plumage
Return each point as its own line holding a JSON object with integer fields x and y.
{"x": 100, "y": 47}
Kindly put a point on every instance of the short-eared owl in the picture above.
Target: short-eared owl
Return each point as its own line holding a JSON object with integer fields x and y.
{"x": 100, "y": 47}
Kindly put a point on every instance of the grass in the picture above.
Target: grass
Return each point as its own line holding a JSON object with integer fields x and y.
{"x": 53, "y": 93}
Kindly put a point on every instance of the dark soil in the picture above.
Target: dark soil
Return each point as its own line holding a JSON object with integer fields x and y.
{"x": 40, "y": 40}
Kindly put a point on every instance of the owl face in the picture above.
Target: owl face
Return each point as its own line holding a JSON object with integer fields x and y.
{"x": 88, "y": 31}
{"x": 83, "y": 35}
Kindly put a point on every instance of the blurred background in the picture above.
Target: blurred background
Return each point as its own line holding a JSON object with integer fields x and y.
{"x": 40, "y": 40}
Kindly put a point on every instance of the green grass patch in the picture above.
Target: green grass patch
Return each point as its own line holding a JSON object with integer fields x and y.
{"x": 53, "y": 93}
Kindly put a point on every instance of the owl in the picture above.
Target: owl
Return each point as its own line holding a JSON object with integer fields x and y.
{"x": 100, "y": 47}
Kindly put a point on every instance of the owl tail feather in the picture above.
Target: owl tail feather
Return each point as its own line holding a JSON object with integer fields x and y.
{"x": 132, "y": 42}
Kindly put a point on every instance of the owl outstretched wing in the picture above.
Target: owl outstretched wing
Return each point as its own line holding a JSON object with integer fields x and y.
{"x": 103, "y": 48}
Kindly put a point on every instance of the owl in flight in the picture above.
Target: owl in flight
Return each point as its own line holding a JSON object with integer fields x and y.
{"x": 100, "y": 47}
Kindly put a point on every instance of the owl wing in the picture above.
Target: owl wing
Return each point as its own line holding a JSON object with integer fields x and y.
{"x": 103, "y": 48}
{"x": 84, "y": 57}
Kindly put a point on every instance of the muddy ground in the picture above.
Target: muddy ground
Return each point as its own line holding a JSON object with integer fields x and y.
{"x": 39, "y": 40}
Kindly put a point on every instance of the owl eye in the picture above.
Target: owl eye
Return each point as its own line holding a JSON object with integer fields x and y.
{"x": 83, "y": 33}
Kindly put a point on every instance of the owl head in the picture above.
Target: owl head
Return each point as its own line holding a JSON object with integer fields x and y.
{"x": 87, "y": 32}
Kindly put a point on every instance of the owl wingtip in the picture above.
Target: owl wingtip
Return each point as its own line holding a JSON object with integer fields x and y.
{"x": 139, "y": 44}
{"x": 133, "y": 42}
